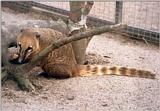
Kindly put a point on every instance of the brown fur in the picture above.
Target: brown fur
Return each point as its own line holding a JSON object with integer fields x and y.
{"x": 61, "y": 62}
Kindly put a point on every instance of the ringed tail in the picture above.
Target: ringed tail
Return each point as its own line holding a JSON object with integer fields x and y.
{"x": 89, "y": 70}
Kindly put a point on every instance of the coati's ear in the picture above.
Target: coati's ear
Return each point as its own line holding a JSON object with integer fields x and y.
{"x": 21, "y": 30}
{"x": 38, "y": 35}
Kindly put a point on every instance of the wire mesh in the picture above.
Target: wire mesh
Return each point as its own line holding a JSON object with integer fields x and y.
{"x": 143, "y": 18}
{"x": 142, "y": 15}
{"x": 61, "y": 5}
{"x": 101, "y": 10}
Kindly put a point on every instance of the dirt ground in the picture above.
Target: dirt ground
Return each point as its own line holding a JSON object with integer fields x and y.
{"x": 96, "y": 93}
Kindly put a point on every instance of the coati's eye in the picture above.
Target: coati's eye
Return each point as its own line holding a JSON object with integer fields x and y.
{"x": 30, "y": 48}
{"x": 19, "y": 44}
{"x": 38, "y": 35}
{"x": 21, "y": 30}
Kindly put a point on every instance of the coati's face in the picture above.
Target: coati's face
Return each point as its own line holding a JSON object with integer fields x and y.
{"x": 28, "y": 44}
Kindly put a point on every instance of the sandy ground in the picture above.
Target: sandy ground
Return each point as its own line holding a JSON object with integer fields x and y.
{"x": 96, "y": 93}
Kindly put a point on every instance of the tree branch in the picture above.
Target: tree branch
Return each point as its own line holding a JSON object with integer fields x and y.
{"x": 19, "y": 72}
{"x": 27, "y": 67}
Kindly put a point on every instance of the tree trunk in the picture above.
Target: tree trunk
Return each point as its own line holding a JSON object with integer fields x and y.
{"x": 79, "y": 11}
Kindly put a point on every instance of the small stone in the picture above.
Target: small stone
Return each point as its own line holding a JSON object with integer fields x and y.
{"x": 107, "y": 56}
{"x": 105, "y": 104}
{"x": 44, "y": 97}
{"x": 70, "y": 97}
{"x": 141, "y": 57}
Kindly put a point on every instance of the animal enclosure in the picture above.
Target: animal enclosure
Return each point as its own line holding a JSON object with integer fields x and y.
{"x": 96, "y": 93}
{"x": 142, "y": 18}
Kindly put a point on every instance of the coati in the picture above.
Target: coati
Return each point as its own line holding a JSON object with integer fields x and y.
{"x": 61, "y": 62}
{"x": 11, "y": 29}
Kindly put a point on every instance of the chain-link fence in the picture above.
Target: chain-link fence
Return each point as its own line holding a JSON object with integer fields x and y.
{"x": 142, "y": 18}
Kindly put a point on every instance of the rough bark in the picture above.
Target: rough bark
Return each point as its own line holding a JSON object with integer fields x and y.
{"x": 4, "y": 75}
{"x": 77, "y": 10}
{"x": 8, "y": 38}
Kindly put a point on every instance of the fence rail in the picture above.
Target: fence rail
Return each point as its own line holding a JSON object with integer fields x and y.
{"x": 115, "y": 13}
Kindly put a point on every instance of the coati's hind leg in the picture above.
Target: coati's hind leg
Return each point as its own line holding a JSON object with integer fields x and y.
{"x": 60, "y": 71}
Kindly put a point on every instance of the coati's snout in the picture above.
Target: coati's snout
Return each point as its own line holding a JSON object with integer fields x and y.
{"x": 28, "y": 44}
{"x": 24, "y": 53}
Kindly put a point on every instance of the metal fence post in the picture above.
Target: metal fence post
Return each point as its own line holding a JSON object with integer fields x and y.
{"x": 118, "y": 12}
